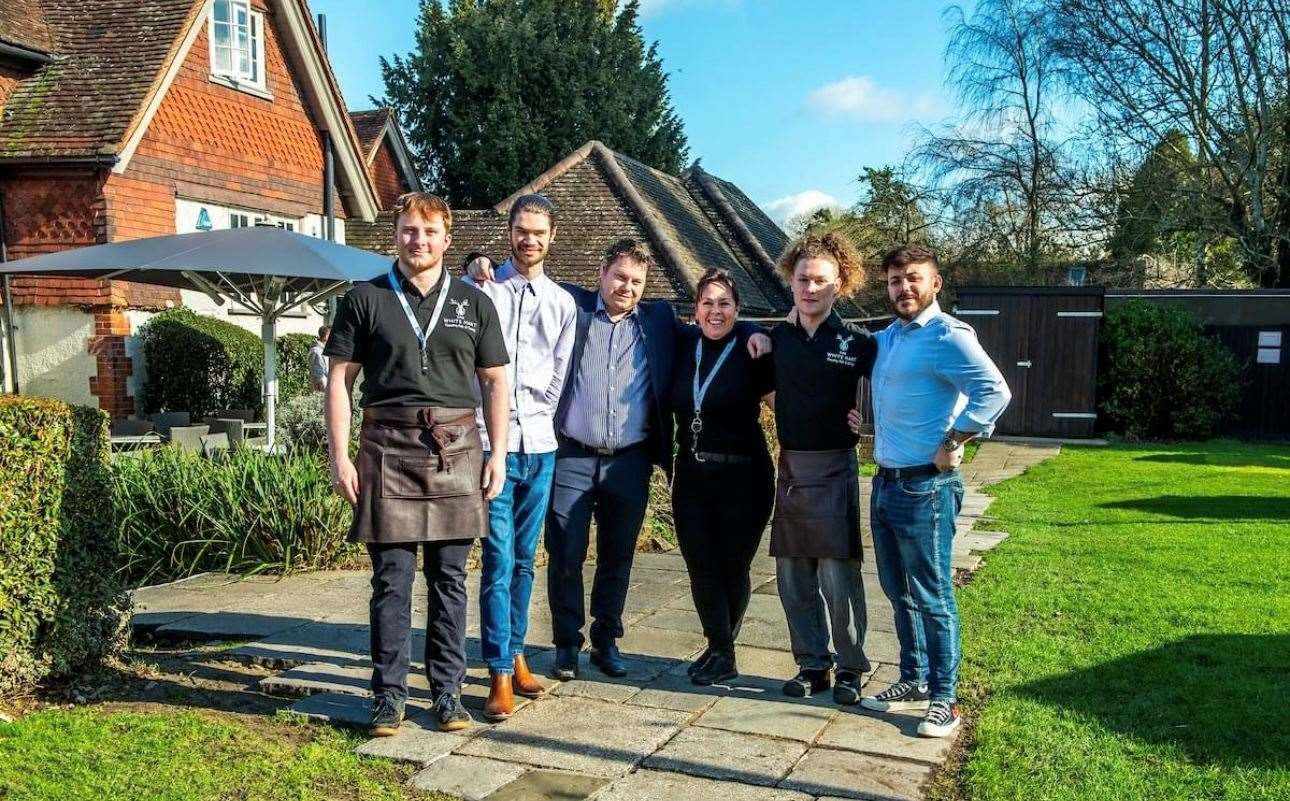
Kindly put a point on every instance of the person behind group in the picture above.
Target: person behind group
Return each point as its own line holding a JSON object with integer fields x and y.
{"x": 815, "y": 534}
{"x": 934, "y": 388}
{"x": 614, "y": 422}
{"x": 538, "y": 317}
{"x": 420, "y": 338}
{"x": 318, "y": 362}
{"x": 723, "y": 483}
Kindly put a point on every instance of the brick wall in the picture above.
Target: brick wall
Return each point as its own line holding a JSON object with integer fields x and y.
{"x": 114, "y": 366}
{"x": 387, "y": 176}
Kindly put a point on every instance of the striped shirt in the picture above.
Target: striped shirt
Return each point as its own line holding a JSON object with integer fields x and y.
{"x": 609, "y": 407}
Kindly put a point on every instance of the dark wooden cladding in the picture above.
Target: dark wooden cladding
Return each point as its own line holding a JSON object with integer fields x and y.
{"x": 1264, "y": 412}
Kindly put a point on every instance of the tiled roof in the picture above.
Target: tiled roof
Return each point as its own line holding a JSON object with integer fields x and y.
{"x": 369, "y": 125}
{"x": 108, "y": 54}
{"x": 22, "y": 23}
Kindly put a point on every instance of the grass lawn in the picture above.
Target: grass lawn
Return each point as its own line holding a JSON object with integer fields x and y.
{"x": 97, "y": 754}
{"x": 1131, "y": 640}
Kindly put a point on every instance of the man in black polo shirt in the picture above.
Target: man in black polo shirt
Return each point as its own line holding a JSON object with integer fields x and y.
{"x": 815, "y": 536}
{"x": 420, "y": 337}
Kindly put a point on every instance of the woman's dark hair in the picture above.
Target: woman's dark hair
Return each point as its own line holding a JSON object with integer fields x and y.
{"x": 714, "y": 276}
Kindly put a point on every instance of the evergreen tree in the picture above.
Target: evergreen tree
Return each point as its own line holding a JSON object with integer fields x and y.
{"x": 497, "y": 90}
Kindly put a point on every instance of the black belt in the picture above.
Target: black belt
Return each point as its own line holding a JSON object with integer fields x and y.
{"x": 601, "y": 451}
{"x": 703, "y": 457}
{"x": 918, "y": 471}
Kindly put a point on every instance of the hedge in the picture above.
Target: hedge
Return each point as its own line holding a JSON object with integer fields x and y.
{"x": 200, "y": 364}
{"x": 62, "y": 604}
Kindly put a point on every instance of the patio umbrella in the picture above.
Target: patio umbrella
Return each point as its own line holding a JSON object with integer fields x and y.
{"x": 264, "y": 269}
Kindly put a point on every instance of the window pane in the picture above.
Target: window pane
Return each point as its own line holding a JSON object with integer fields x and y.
{"x": 223, "y": 60}
{"x": 222, "y": 33}
{"x": 221, "y": 11}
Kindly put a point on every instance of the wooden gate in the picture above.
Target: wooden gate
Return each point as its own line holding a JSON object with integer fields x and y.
{"x": 1044, "y": 340}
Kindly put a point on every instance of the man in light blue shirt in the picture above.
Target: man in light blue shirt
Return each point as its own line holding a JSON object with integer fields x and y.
{"x": 934, "y": 388}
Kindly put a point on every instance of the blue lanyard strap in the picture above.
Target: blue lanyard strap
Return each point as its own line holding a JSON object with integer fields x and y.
{"x": 423, "y": 337}
{"x": 701, "y": 390}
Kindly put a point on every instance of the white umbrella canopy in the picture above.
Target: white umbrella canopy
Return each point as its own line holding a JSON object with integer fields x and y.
{"x": 265, "y": 269}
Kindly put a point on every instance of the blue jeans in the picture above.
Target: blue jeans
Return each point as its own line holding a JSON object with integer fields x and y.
{"x": 514, "y": 523}
{"x": 913, "y": 537}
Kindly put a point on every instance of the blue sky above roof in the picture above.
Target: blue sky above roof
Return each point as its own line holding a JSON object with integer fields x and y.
{"x": 789, "y": 99}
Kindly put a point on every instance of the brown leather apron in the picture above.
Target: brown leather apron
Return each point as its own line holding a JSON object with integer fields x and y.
{"x": 419, "y": 472}
{"x": 817, "y": 505}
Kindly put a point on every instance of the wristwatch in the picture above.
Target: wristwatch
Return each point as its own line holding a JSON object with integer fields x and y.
{"x": 950, "y": 444}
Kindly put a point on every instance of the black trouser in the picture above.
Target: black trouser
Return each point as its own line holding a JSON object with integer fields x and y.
{"x": 613, "y": 490}
{"x": 721, "y": 511}
{"x": 393, "y": 571}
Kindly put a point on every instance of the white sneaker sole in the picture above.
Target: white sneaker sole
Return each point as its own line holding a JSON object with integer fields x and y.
{"x": 874, "y": 705}
{"x": 926, "y": 729}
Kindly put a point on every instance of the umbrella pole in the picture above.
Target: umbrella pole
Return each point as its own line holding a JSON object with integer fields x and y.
{"x": 268, "y": 332}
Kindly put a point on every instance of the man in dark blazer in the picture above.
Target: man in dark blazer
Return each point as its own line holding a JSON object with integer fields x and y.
{"x": 614, "y": 423}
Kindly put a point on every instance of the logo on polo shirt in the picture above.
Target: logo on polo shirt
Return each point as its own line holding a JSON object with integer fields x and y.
{"x": 841, "y": 356}
{"x": 460, "y": 320}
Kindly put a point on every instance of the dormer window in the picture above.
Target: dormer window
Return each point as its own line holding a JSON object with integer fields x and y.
{"x": 237, "y": 45}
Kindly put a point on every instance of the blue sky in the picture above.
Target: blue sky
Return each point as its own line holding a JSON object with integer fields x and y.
{"x": 789, "y": 99}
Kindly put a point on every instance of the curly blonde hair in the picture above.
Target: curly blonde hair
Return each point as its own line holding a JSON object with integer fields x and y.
{"x": 833, "y": 247}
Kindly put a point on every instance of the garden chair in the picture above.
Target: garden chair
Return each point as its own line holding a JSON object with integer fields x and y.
{"x": 214, "y": 443}
{"x": 245, "y": 415}
{"x": 188, "y": 437}
{"x": 132, "y": 427}
{"x": 165, "y": 421}
{"x": 234, "y": 427}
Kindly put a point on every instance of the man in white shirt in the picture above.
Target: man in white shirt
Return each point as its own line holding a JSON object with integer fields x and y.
{"x": 318, "y": 362}
{"x": 538, "y": 318}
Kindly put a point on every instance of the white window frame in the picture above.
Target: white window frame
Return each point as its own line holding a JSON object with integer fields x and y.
{"x": 245, "y": 69}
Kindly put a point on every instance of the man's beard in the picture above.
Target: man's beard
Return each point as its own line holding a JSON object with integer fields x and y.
{"x": 923, "y": 302}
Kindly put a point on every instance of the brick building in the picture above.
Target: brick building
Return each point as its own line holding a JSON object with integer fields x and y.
{"x": 121, "y": 119}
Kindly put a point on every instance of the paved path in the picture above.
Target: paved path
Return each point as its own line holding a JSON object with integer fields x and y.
{"x": 651, "y": 735}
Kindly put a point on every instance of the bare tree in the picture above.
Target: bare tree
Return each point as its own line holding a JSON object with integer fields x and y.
{"x": 1000, "y": 171}
{"x": 1218, "y": 71}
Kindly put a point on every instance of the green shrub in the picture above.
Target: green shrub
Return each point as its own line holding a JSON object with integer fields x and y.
{"x": 199, "y": 364}
{"x": 293, "y": 367}
{"x": 243, "y": 511}
{"x": 61, "y": 603}
{"x": 1162, "y": 377}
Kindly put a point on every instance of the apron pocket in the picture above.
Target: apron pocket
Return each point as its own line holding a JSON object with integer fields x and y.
{"x": 812, "y": 499}
{"x": 421, "y": 477}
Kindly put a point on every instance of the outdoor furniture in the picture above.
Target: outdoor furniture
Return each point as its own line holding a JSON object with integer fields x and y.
{"x": 167, "y": 420}
{"x": 214, "y": 443}
{"x": 132, "y": 427}
{"x": 126, "y": 443}
{"x": 245, "y": 415}
{"x": 233, "y": 427}
{"x": 188, "y": 437}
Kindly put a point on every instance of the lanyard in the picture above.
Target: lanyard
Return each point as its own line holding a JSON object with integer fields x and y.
{"x": 701, "y": 390}
{"x": 423, "y": 337}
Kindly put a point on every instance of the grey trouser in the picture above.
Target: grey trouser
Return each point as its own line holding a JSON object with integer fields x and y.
{"x": 841, "y": 609}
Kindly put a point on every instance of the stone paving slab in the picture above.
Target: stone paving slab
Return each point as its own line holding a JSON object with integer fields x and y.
{"x": 845, "y": 774}
{"x": 646, "y": 641}
{"x": 580, "y": 735}
{"x": 319, "y": 641}
{"x": 418, "y": 745}
{"x": 549, "y": 785}
{"x": 228, "y": 626}
{"x": 728, "y": 756}
{"x": 467, "y": 777}
{"x": 888, "y": 734}
{"x": 655, "y": 785}
{"x": 769, "y": 718}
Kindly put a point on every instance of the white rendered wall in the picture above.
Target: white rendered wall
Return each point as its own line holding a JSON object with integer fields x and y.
{"x": 54, "y": 360}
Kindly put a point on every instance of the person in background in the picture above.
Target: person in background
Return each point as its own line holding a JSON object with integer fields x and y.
{"x": 934, "y": 389}
{"x": 421, "y": 340}
{"x": 815, "y": 536}
{"x": 723, "y": 482}
{"x": 537, "y": 316}
{"x": 318, "y": 362}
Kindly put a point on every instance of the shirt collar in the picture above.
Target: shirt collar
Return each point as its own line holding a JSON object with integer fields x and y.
{"x": 600, "y": 306}
{"x": 506, "y": 273}
{"x": 406, "y": 284}
{"x": 833, "y": 321}
{"x": 924, "y": 317}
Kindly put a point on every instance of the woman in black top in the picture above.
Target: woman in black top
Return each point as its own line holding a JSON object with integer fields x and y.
{"x": 724, "y": 485}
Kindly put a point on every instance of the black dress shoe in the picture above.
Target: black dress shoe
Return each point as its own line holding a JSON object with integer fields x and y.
{"x": 697, "y": 664}
{"x": 565, "y": 667}
{"x": 807, "y": 683}
{"x": 719, "y": 669}
{"x": 610, "y": 662}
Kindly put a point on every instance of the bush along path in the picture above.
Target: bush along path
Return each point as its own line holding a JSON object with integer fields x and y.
{"x": 649, "y": 735}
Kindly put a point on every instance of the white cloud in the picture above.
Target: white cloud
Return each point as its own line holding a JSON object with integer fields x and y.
{"x": 805, "y": 202}
{"x": 651, "y": 7}
{"x": 859, "y": 96}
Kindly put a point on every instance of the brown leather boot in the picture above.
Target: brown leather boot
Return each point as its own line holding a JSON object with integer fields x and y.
{"x": 524, "y": 682}
{"x": 501, "y": 702}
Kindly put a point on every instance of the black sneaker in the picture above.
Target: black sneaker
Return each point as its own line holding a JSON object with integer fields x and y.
{"x": 386, "y": 717}
{"x": 719, "y": 668}
{"x": 901, "y": 696}
{"x": 450, "y": 714}
{"x": 697, "y": 664}
{"x": 941, "y": 720}
{"x": 846, "y": 688}
{"x": 807, "y": 683}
